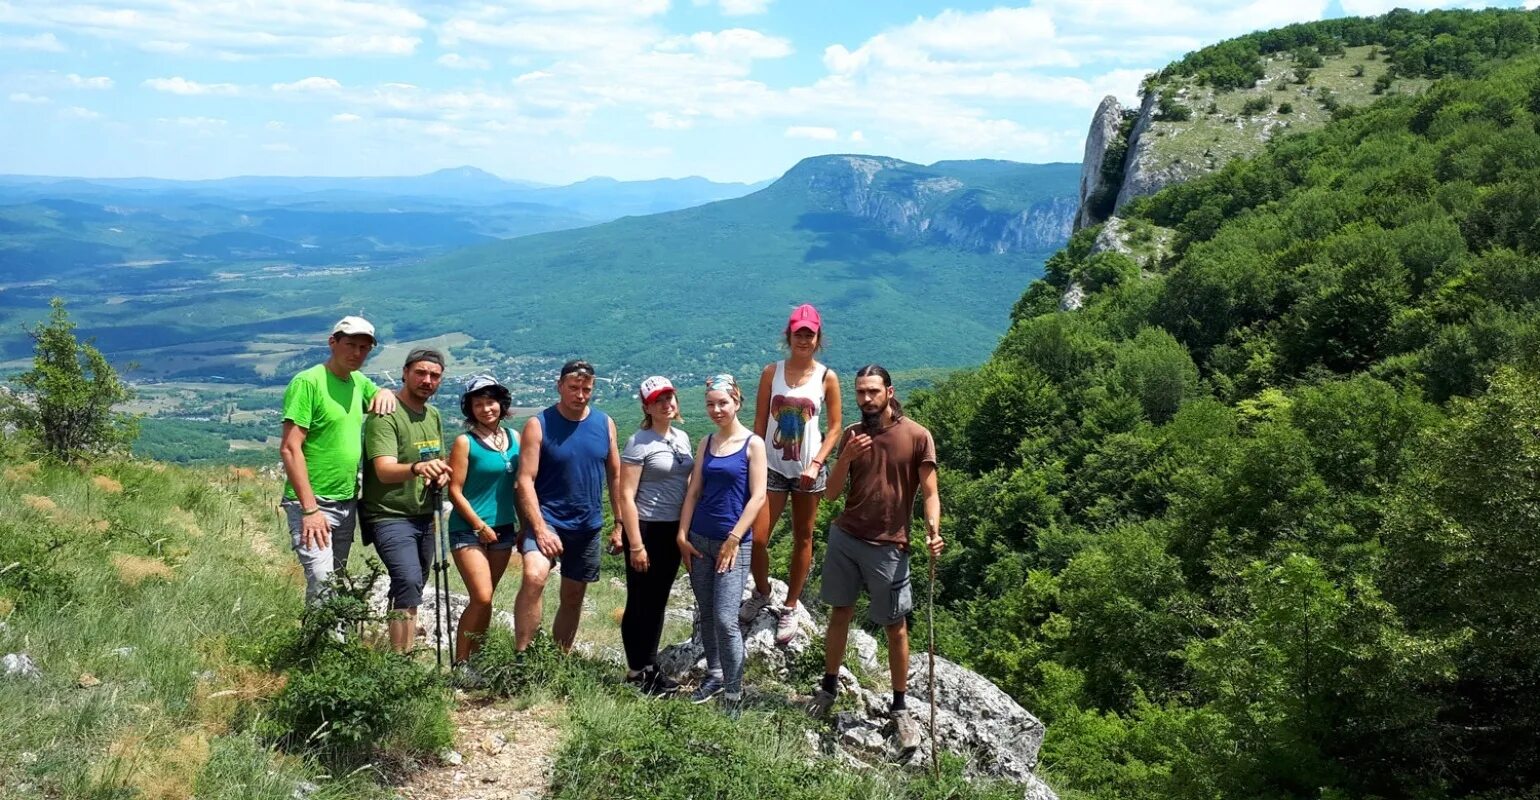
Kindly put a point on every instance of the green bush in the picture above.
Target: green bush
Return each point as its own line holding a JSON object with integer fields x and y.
{"x": 1255, "y": 105}
{"x": 344, "y": 700}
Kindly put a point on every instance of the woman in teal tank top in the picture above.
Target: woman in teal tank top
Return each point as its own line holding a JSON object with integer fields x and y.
{"x": 484, "y": 522}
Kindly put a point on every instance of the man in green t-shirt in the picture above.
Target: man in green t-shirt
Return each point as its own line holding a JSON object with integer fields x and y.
{"x": 404, "y": 453}
{"x": 323, "y": 416}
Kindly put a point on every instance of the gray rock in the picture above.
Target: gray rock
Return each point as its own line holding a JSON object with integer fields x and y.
{"x": 975, "y": 717}
{"x": 866, "y": 651}
{"x": 1073, "y": 298}
{"x": 303, "y": 790}
{"x": 19, "y": 665}
{"x": 1104, "y": 128}
{"x": 451, "y": 757}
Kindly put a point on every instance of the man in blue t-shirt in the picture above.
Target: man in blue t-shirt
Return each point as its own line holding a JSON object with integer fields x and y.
{"x": 567, "y": 454}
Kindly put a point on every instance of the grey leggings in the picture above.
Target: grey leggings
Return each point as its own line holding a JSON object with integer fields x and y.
{"x": 717, "y": 597}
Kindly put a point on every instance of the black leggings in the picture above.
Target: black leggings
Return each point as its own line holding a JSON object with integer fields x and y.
{"x": 647, "y": 593}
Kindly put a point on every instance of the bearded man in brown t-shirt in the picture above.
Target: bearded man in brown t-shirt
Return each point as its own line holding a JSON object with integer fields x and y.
{"x": 888, "y": 459}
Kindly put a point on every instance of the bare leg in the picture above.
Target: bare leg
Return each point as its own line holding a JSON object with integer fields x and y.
{"x": 834, "y": 639}
{"x": 898, "y": 655}
{"x": 759, "y": 562}
{"x": 403, "y": 629}
{"x": 804, "y": 512}
{"x": 569, "y": 613}
{"x": 480, "y": 569}
{"x": 527, "y": 609}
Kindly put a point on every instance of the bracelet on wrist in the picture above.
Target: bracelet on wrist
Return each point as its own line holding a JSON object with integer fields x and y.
{"x": 306, "y": 512}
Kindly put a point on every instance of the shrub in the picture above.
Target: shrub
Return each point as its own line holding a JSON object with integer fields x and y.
{"x": 344, "y": 699}
{"x": 1169, "y": 109}
{"x": 1285, "y": 108}
{"x": 1254, "y": 106}
{"x": 69, "y": 394}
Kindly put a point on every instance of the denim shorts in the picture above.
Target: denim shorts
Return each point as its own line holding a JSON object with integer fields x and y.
{"x": 579, "y": 557}
{"x": 776, "y": 482}
{"x": 406, "y": 545}
{"x": 507, "y": 538}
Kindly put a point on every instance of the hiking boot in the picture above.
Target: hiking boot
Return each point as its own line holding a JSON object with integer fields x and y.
{"x": 467, "y": 677}
{"x": 821, "y": 703}
{"x": 907, "y": 729}
{"x": 709, "y": 688}
{"x": 752, "y": 606}
{"x": 652, "y": 681}
{"x": 785, "y": 627}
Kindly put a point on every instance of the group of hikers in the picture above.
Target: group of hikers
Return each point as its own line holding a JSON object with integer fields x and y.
{"x": 540, "y": 490}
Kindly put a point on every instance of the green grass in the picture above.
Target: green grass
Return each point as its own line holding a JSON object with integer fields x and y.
{"x": 1212, "y": 137}
{"x": 145, "y": 579}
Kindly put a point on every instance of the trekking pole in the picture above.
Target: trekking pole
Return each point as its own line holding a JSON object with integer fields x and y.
{"x": 445, "y": 548}
{"x": 440, "y": 579}
{"x": 930, "y": 631}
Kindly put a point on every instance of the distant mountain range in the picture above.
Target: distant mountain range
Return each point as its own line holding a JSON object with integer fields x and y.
{"x": 914, "y": 265}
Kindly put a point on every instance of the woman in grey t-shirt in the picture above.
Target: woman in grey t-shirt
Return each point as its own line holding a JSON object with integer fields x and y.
{"x": 654, "y": 473}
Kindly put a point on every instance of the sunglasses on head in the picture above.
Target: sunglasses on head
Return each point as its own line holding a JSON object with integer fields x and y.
{"x": 577, "y": 368}
{"x": 721, "y": 383}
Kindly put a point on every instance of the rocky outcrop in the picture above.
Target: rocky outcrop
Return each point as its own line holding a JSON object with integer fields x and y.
{"x": 1105, "y": 125}
{"x": 918, "y": 203}
{"x": 974, "y": 718}
{"x": 1143, "y": 172}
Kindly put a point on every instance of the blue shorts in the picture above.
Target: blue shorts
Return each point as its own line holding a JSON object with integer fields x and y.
{"x": 507, "y": 538}
{"x": 579, "y": 553}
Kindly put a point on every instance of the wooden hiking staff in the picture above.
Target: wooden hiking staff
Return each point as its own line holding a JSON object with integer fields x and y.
{"x": 930, "y": 632}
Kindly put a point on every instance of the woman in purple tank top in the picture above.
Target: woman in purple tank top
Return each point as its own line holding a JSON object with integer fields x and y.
{"x": 726, "y": 491}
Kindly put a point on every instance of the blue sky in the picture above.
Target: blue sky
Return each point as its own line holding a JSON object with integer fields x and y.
{"x": 559, "y": 90}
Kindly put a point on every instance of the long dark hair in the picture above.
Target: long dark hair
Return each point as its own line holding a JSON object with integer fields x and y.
{"x": 887, "y": 381}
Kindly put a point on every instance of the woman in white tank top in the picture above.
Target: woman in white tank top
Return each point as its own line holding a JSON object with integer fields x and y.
{"x": 798, "y": 400}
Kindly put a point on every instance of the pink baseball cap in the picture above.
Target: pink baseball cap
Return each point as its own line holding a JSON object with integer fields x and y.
{"x": 804, "y": 316}
{"x": 654, "y": 386}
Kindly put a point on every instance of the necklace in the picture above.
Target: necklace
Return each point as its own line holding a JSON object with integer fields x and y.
{"x": 498, "y": 443}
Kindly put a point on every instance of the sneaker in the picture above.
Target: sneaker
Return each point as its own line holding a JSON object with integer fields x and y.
{"x": 656, "y": 683}
{"x": 752, "y": 606}
{"x": 709, "y": 688}
{"x": 821, "y": 703}
{"x": 785, "y": 627}
{"x": 466, "y": 676}
{"x": 908, "y": 730}
{"x": 732, "y": 705}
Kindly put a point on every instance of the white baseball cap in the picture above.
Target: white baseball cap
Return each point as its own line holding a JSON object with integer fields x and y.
{"x": 354, "y": 326}
{"x": 654, "y": 386}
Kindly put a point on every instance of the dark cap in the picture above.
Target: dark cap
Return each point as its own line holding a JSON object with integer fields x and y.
{"x": 576, "y": 366}
{"x": 424, "y": 354}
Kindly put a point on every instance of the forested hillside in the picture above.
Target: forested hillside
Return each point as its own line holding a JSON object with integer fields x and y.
{"x": 1262, "y": 519}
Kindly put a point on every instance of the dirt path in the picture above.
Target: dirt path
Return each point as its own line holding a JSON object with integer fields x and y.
{"x": 505, "y": 754}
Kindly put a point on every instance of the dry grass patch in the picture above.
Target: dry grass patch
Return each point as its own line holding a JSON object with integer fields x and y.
{"x": 39, "y": 503}
{"x": 106, "y": 484}
{"x": 135, "y": 570}
{"x": 7, "y": 605}
{"x": 219, "y": 701}
{"x": 155, "y": 772}
{"x": 22, "y": 473}
{"x": 185, "y": 520}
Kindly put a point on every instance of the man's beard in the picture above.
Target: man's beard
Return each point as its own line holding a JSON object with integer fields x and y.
{"x": 871, "y": 420}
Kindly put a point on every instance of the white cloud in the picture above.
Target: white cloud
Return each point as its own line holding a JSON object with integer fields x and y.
{"x": 1531, "y": 5}
{"x": 200, "y": 123}
{"x": 278, "y": 147}
{"x": 664, "y": 121}
{"x": 233, "y": 29}
{"x": 737, "y": 8}
{"x": 100, "y": 82}
{"x": 345, "y": 117}
{"x": 29, "y": 99}
{"x": 457, "y": 61}
{"x": 610, "y": 150}
{"x": 813, "y": 132}
{"x": 735, "y": 43}
{"x": 857, "y": 136}
{"x": 311, "y": 84}
{"x": 42, "y": 43}
{"x": 183, "y": 86}
{"x": 275, "y": 125}
{"x": 78, "y": 112}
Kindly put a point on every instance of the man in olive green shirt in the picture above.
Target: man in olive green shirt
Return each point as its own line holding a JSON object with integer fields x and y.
{"x": 323, "y": 414}
{"x": 405, "y": 453}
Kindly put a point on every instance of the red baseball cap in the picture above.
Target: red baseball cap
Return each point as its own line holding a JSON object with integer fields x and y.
{"x": 804, "y": 316}
{"x": 654, "y": 386}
